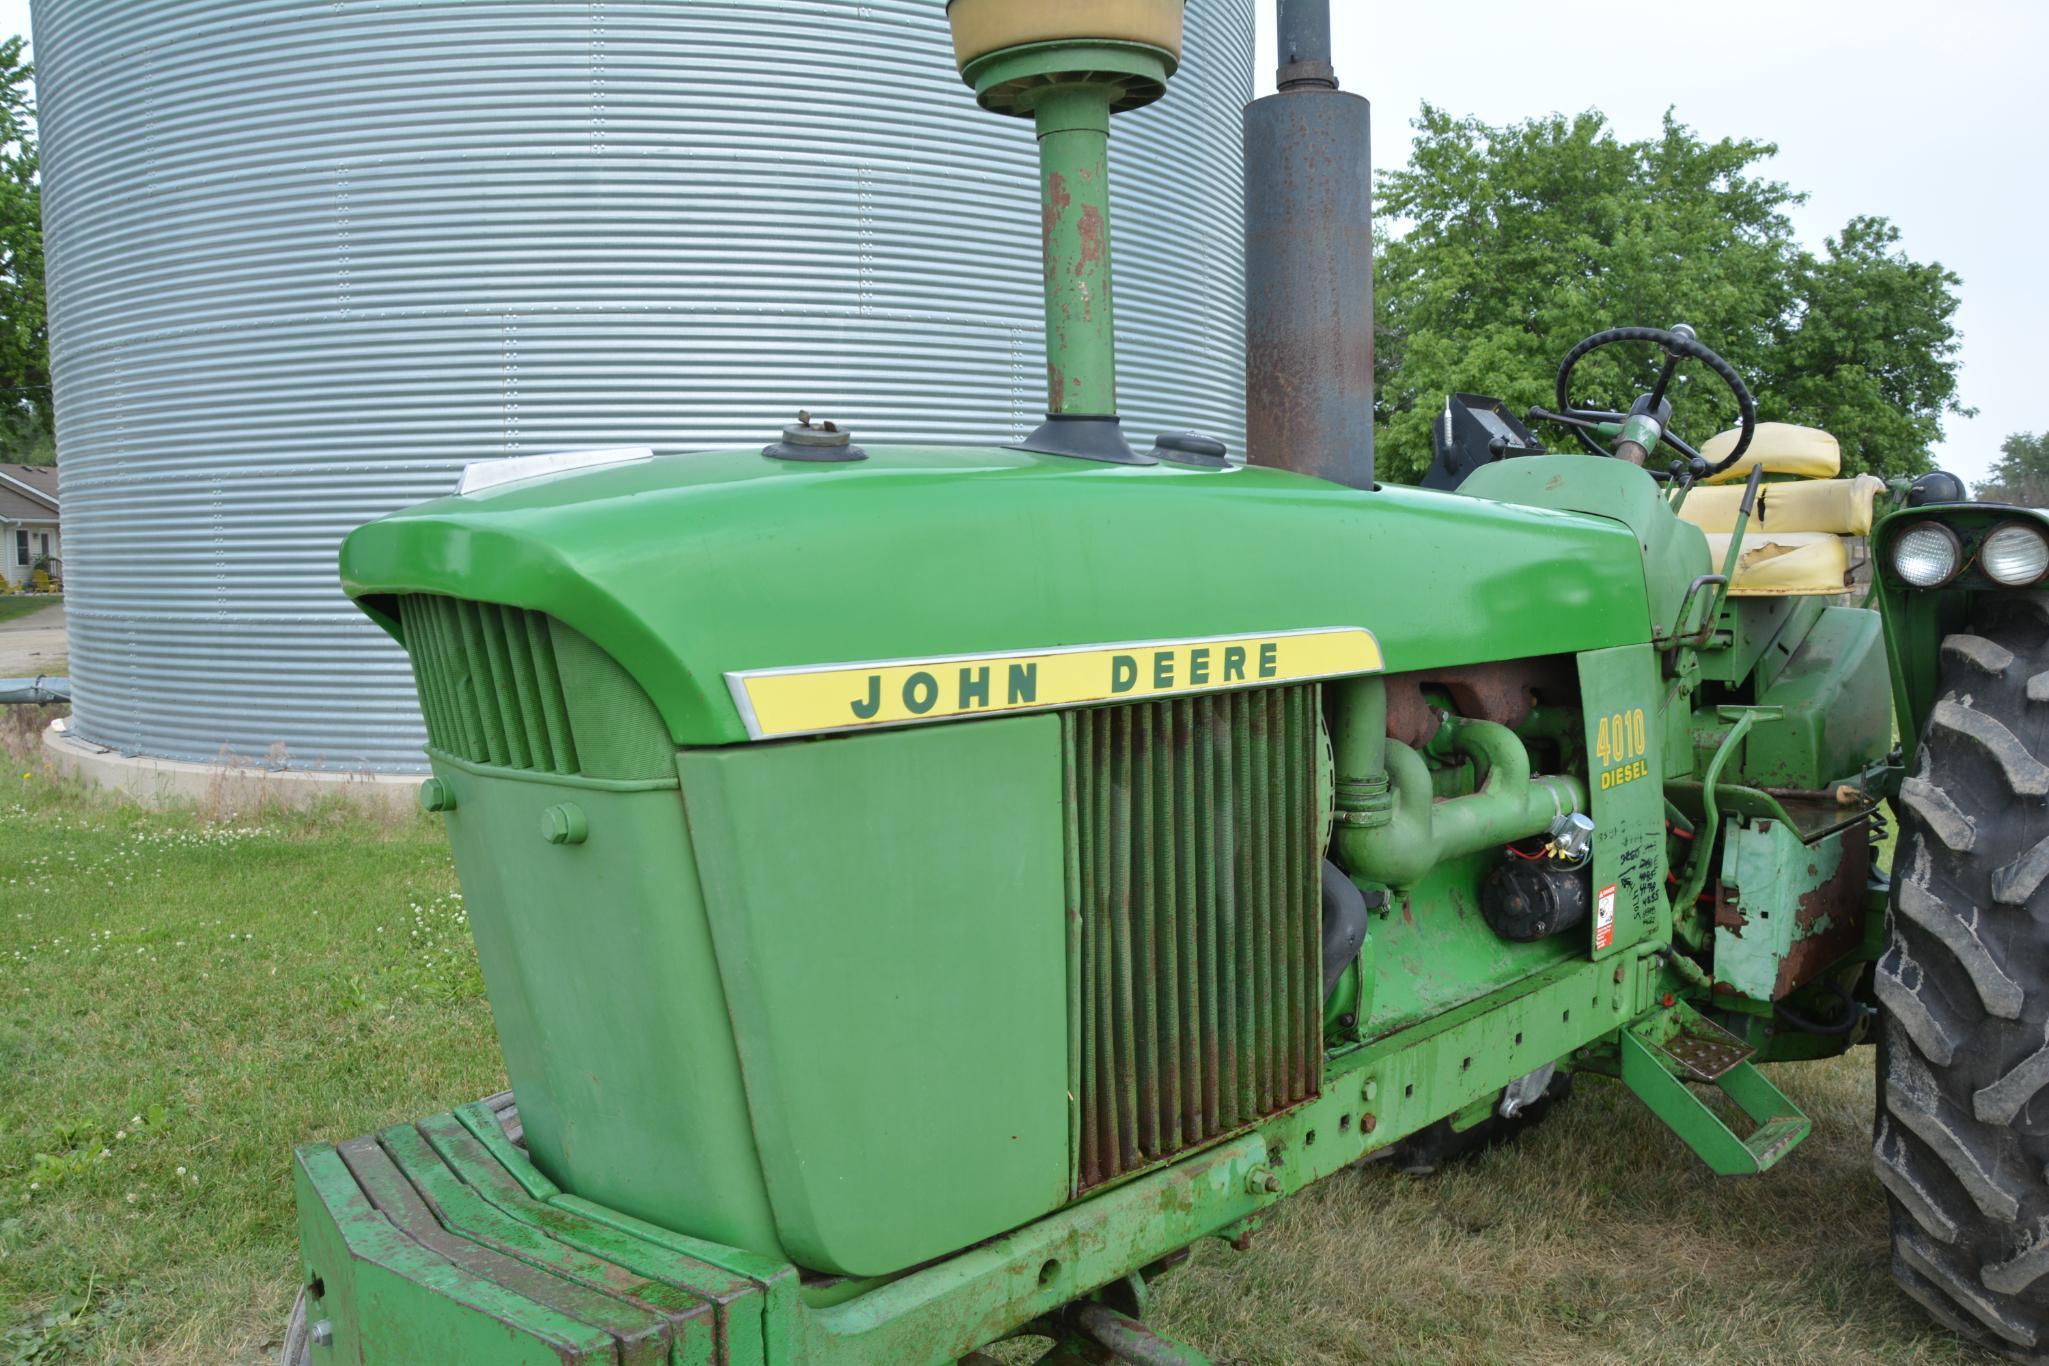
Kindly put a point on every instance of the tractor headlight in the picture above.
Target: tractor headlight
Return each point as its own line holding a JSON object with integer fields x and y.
{"x": 1927, "y": 555}
{"x": 2015, "y": 555}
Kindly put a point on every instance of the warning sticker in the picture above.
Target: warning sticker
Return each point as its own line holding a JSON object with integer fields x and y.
{"x": 1604, "y": 917}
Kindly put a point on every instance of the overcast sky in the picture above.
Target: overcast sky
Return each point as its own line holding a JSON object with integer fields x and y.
{"x": 1931, "y": 115}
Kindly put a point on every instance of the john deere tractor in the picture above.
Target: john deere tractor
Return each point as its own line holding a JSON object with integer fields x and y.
{"x": 923, "y": 891}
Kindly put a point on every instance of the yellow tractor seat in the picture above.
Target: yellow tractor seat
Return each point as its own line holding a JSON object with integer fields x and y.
{"x": 1780, "y": 564}
{"x": 1841, "y": 507}
{"x": 1781, "y": 448}
{"x": 1794, "y": 545}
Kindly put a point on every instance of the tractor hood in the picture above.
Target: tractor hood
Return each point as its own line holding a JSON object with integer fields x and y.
{"x": 688, "y": 568}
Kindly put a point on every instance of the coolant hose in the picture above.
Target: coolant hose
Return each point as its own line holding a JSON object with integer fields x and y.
{"x": 1344, "y": 925}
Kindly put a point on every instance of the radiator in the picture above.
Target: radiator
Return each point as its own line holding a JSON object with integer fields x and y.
{"x": 1193, "y": 848}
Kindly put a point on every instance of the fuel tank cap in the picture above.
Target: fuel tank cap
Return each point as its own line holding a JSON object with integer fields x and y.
{"x": 819, "y": 442}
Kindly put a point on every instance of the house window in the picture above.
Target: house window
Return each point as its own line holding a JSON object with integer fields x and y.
{"x": 21, "y": 546}
{"x": 43, "y": 544}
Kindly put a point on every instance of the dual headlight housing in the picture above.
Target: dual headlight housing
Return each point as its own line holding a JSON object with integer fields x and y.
{"x": 1930, "y": 553}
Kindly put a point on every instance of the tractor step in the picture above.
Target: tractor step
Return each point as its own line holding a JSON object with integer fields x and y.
{"x": 1700, "y": 1049}
{"x": 1664, "y": 1052}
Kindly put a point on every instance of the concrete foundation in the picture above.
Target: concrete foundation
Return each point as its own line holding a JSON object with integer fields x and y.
{"x": 222, "y": 787}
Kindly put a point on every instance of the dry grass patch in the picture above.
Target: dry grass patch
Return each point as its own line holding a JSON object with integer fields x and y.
{"x": 1594, "y": 1238}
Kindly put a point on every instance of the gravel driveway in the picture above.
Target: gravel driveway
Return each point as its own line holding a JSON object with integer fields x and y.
{"x": 32, "y": 644}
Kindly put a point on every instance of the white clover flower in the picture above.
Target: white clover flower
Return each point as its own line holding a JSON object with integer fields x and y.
{"x": 181, "y": 1171}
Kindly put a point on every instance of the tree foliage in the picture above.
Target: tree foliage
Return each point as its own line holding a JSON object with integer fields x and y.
{"x": 2021, "y": 474}
{"x": 1514, "y": 242}
{"x": 26, "y": 419}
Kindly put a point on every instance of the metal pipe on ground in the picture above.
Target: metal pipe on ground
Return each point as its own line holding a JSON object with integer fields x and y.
{"x": 34, "y": 692}
{"x": 1309, "y": 263}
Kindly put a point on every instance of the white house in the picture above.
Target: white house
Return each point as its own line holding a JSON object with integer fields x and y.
{"x": 29, "y": 533}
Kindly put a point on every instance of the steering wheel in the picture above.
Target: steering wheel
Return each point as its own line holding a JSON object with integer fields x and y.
{"x": 1679, "y": 345}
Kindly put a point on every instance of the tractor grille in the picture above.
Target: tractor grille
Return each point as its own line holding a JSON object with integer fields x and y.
{"x": 517, "y": 689}
{"x": 1193, "y": 887}
{"x": 488, "y": 682}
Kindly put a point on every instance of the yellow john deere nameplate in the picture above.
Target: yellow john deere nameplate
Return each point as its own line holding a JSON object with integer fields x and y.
{"x": 815, "y": 699}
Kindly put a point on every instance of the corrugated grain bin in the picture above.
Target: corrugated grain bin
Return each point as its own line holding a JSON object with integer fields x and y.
{"x": 308, "y": 257}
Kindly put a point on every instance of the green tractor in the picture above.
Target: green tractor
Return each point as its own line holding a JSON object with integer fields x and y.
{"x": 922, "y": 892}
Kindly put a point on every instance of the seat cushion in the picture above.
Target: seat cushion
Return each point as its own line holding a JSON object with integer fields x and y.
{"x": 1785, "y": 563}
{"x": 1781, "y": 448}
{"x": 1841, "y": 507}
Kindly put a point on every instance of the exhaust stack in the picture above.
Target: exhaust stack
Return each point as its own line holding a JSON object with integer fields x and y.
{"x": 1068, "y": 65}
{"x": 1309, "y": 263}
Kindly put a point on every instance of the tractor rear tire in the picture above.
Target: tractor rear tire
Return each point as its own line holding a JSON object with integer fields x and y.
{"x": 1961, "y": 1133}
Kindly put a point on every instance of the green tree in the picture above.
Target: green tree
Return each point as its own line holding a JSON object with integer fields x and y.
{"x": 1513, "y": 242}
{"x": 27, "y": 423}
{"x": 2022, "y": 472}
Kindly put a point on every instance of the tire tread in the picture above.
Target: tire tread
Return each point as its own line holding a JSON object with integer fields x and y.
{"x": 2017, "y": 882}
{"x": 1986, "y": 656}
{"x": 1958, "y": 932}
{"x": 1961, "y": 1137}
{"x": 1939, "y": 814}
{"x": 2026, "y": 776}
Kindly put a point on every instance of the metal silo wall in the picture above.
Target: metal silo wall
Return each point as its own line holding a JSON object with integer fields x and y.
{"x": 307, "y": 257}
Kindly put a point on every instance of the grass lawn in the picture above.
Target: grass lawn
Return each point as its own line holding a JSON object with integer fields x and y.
{"x": 20, "y": 605}
{"x": 181, "y": 1001}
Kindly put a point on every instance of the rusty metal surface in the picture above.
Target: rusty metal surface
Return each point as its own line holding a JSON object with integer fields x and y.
{"x": 1127, "y": 1339}
{"x": 1829, "y": 921}
{"x": 1503, "y": 691}
{"x": 1410, "y": 719}
{"x": 1843, "y": 794}
{"x": 1788, "y": 907}
{"x": 1704, "y": 1051}
{"x": 1194, "y": 877}
{"x": 1309, "y": 284}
